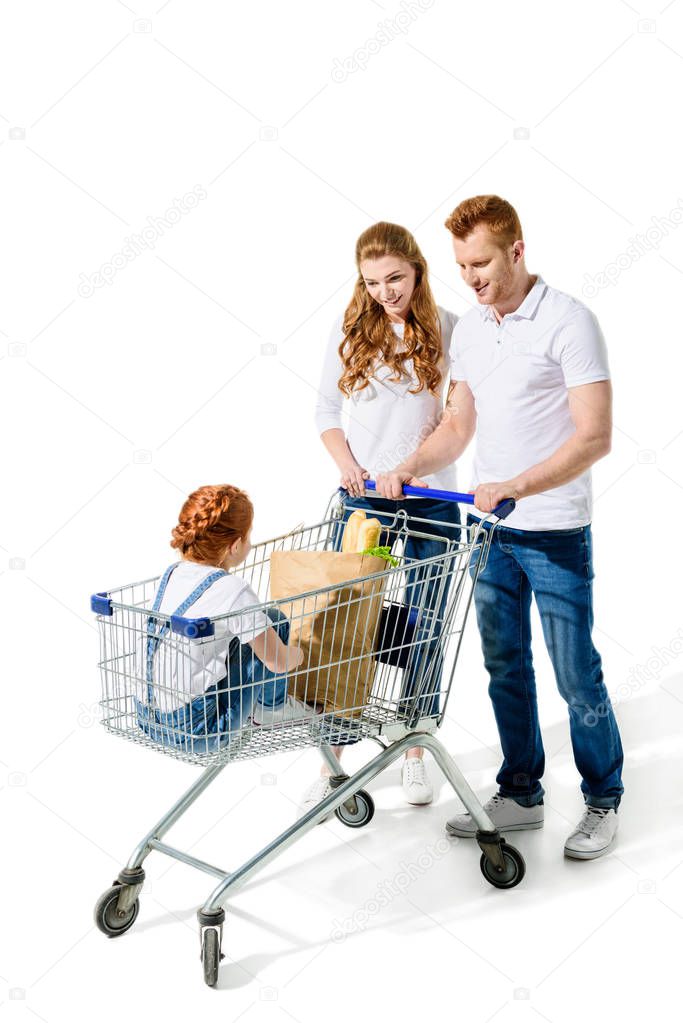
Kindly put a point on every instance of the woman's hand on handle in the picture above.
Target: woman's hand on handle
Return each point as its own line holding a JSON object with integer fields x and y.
{"x": 352, "y": 476}
{"x": 390, "y": 484}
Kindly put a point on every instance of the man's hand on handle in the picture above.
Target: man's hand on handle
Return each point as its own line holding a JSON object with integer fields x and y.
{"x": 488, "y": 496}
{"x": 390, "y": 484}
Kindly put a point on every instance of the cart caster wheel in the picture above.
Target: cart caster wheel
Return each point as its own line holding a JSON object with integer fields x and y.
{"x": 211, "y": 955}
{"x": 107, "y": 917}
{"x": 514, "y": 868}
{"x": 364, "y": 814}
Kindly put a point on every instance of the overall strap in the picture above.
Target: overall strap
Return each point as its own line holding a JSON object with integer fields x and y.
{"x": 199, "y": 589}
{"x": 155, "y": 637}
{"x": 162, "y": 586}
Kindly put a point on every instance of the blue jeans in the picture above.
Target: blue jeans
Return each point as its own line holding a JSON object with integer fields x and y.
{"x": 209, "y": 721}
{"x": 426, "y": 588}
{"x": 557, "y": 567}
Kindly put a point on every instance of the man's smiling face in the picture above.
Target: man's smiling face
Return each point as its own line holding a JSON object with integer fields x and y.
{"x": 486, "y": 265}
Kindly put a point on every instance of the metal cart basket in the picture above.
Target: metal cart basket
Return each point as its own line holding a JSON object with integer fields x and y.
{"x": 390, "y": 683}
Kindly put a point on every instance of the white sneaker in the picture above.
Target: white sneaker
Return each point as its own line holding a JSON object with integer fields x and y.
{"x": 417, "y": 787}
{"x": 291, "y": 710}
{"x": 314, "y": 794}
{"x": 594, "y": 835}
{"x": 505, "y": 814}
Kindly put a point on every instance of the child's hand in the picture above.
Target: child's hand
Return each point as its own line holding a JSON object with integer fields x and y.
{"x": 295, "y": 657}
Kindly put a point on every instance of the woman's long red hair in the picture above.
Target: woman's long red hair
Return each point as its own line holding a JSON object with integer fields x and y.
{"x": 368, "y": 335}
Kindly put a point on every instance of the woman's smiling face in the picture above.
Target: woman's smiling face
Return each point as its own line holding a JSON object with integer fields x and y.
{"x": 391, "y": 282}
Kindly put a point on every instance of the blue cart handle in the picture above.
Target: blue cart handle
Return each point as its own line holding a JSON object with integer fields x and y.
{"x": 502, "y": 511}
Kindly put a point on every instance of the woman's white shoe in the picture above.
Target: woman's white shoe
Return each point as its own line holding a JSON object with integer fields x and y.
{"x": 314, "y": 794}
{"x": 417, "y": 787}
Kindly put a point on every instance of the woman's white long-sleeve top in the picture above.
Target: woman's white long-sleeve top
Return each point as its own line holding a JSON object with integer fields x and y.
{"x": 385, "y": 423}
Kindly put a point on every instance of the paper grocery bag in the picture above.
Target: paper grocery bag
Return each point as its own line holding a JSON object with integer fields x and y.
{"x": 336, "y": 629}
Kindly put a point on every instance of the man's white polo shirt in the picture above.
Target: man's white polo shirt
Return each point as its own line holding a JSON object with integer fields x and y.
{"x": 519, "y": 372}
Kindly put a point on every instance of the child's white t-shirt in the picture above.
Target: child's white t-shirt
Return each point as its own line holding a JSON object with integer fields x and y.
{"x": 185, "y": 668}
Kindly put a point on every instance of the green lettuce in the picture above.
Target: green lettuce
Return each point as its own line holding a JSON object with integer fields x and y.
{"x": 382, "y": 552}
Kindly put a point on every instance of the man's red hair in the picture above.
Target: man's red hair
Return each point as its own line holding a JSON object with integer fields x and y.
{"x": 495, "y": 213}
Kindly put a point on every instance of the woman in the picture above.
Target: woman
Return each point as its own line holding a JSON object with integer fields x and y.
{"x": 388, "y": 354}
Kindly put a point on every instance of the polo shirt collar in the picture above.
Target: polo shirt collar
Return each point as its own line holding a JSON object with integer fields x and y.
{"x": 527, "y": 309}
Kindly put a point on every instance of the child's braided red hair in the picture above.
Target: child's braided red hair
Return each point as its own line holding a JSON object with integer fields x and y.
{"x": 210, "y": 521}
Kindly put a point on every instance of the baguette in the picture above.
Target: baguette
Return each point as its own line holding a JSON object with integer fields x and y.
{"x": 351, "y": 530}
{"x": 368, "y": 534}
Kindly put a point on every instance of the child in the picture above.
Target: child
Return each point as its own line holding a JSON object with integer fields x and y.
{"x": 199, "y": 695}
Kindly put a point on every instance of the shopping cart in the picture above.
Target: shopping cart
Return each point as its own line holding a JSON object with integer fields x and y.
{"x": 143, "y": 665}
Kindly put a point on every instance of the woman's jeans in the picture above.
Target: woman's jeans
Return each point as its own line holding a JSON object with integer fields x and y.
{"x": 211, "y": 720}
{"x": 557, "y": 567}
{"x": 426, "y": 587}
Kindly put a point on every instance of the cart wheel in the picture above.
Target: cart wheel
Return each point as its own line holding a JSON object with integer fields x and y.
{"x": 211, "y": 955}
{"x": 107, "y": 917}
{"x": 514, "y": 868}
{"x": 365, "y": 813}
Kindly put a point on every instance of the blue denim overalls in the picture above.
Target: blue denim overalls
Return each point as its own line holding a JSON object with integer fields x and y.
{"x": 209, "y": 721}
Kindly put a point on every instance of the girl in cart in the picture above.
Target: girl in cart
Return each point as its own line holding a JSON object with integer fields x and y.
{"x": 388, "y": 356}
{"x": 234, "y": 678}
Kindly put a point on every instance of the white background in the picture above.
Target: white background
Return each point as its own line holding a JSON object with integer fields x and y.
{"x": 119, "y": 403}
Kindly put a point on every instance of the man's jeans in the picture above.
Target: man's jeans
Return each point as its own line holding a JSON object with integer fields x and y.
{"x": 426, "y": 587}
{"x": 210, "y": 721}
{"x": 557, "y": 567}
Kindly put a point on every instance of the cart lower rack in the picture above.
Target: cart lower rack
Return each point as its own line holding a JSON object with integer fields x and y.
{"x": 380, "y": 650}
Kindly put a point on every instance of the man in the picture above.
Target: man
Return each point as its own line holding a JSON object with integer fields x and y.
{"x": 529, "y": 372}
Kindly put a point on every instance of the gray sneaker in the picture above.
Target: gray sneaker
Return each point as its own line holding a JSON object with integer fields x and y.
{"x": 594, "y": 835}
{"x": 505, "y": 814}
